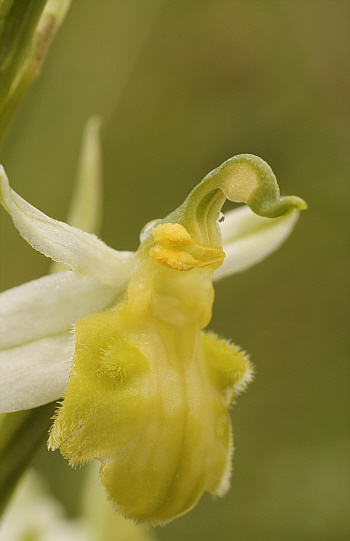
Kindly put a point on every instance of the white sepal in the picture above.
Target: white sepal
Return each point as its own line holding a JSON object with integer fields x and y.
{"x": 49, "y": 306}
{"x": 249, "y": 238}
{"x": 34, "y": 374}
{"x": 82, "y": 252}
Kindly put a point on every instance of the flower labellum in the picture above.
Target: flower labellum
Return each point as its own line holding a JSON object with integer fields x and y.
{"x": 149, "y": 389}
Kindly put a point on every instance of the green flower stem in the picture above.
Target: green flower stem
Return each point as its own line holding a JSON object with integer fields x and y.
{"x": 23, "y": 56}
{"x": 11, "y": 105}
{"x": 21, "y": 435}
{"x": 17, "y": 30}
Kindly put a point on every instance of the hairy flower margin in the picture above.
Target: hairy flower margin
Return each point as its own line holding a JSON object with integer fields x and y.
{"x": 146, "y": 390}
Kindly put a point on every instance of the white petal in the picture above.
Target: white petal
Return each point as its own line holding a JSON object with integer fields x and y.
{"x": 50, "y": 305}
{"x": 82, "y": 252}
{"x": 249, "y": 238}
{"x": 34, "y": 374}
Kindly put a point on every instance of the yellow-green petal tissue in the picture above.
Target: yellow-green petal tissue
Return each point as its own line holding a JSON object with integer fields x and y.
{"x": 149, "y": 389}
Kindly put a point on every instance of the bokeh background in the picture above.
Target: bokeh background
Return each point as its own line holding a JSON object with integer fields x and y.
{"x": 182, "y": 86}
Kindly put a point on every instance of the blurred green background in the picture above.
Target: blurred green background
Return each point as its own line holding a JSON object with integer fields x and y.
{"x": 182, "y": 86}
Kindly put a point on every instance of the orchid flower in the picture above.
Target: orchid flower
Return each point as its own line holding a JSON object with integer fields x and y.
{"x": 36, "y": 515}
{"x": 120, "y": 336}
